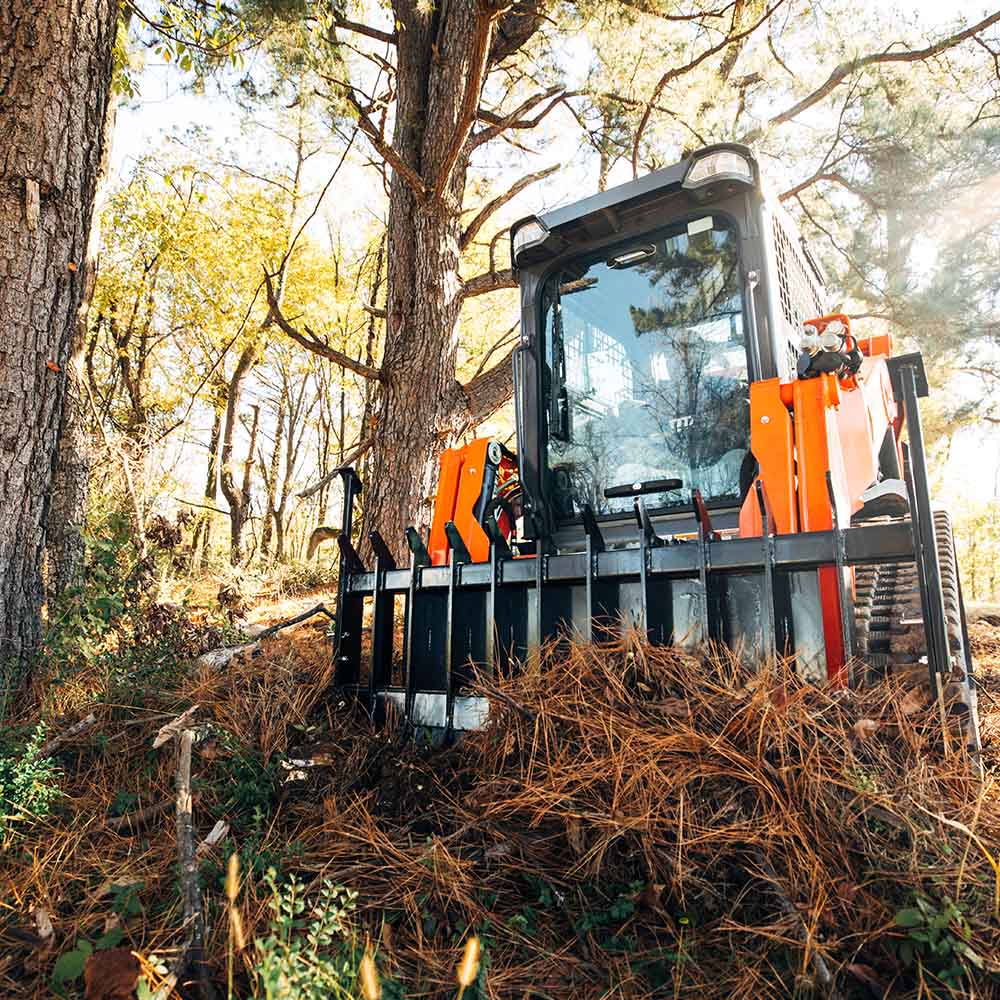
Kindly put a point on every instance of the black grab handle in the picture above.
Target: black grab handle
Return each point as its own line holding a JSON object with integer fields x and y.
{"x": 642, "y": 489}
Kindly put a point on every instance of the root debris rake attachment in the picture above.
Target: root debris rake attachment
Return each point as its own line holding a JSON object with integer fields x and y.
{"x": 696, "y": 458}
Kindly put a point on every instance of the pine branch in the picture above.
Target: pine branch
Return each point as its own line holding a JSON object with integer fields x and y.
{"x": 310, "y": 341}
{"x": 495, "y": 204}
{"x": 678, "y": 71}
{"x": 847, "y": 69}
{"x": 490, "y": 281}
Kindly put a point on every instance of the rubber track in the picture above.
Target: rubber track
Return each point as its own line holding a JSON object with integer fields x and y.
{"x": 890, "y": 636}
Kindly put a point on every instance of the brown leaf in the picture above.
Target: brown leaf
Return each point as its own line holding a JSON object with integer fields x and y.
{"x": 52, "y": 367}
{"x": 110, "y": 975}
{"x": 72, "y": 266}
{"x": 865, "y": 728}
{"x": 778, "y": 696}
{"x": 867, "y": 975}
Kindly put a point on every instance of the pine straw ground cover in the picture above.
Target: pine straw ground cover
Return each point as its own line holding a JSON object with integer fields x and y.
{"x": 634, "y": 822}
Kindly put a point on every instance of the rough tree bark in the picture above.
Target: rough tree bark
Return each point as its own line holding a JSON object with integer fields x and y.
{"x": 70, "y": 487}
{"x": 203, "y": 530}
{"x": 443, "y": 57}
{"x": 55, "y": 84}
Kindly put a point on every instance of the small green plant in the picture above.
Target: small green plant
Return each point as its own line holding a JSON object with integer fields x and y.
{"x": 310, "y": 953}
{"x": 937, "y": 939}
{"x": 27, "y": 783}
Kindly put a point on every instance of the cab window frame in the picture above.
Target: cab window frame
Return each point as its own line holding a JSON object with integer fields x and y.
{"x": 721, "y": 219}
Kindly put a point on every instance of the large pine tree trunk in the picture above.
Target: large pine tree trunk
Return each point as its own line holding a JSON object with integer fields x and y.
{"x": 70, "y": 487}
{"x": 55, "y": 78}
{"x": 440, "y": 64}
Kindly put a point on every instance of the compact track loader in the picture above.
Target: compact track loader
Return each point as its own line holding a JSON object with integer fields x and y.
{"x": 703, "y": 453}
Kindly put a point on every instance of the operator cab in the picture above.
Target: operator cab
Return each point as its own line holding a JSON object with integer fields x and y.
{"x": 647, "y": 310}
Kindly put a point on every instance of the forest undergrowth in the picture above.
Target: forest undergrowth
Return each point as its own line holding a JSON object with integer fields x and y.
{"x": 634, "y": 822}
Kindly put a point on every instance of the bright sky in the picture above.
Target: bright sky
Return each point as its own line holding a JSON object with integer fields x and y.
{"x": 165, "y": 107}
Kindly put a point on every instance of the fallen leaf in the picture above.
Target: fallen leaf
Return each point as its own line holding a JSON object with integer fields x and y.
{"x": 110, "y": 975}
{"x": 864, "y": 728}
{"x": 778, "y": 696}
{"x": 171, "y": 729}
{"x": 72, "y": 266}
{"x": 867, "y": 975}
{"x": 52, "y": 366}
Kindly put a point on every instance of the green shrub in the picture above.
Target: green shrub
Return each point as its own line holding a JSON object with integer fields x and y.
{"x": 27, "y": 783}
{"x": 936, "y": 939}
{"x": 309, "y": 953}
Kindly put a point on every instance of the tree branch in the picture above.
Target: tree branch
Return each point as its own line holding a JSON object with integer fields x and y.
{"x": 488, "y": 391}
{"x": 363, "y": 29}
{"x": 834, "y": 178}
{"x": 375, "y": 311}
{"x": 311, "y": 342}
{"x": 478, "y": 63}
{"x": 846, "y": 69}
{"x": 491, "y": 281}
{"x": 650, "y": 10}
{"x": 672, "y": 74}
{"x": 500, "y": 123}
{"x": 385, "y": 150}
{"x": 499, "y": 201}
{"x": 518, "y": 23}
{"x": 349, "y": 460}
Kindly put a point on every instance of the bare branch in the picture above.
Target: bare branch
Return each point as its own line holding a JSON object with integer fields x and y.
{"x": 363, "y": 29}
{"x": 515, "y": 119}
{"x": 373, "y": 310}
{"x": 349, "y": 459}
{"x": 310, "y": 341}
{"x": 846, "y": 69}
{"x": 504, "y": 341}
{"x": 491, "y": 281}
{"x": 833, "y": 177}
{"x": 650, "y": 9}
{"x": 495, "y": 204}
{"x": 673, "y": 74}
{"x": 385, "y": 150}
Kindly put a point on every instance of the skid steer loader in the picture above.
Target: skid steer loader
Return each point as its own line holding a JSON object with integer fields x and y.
{"x": 703, "y": 452}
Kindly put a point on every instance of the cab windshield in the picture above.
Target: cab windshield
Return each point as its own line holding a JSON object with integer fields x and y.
{"x": 646, "y": 371}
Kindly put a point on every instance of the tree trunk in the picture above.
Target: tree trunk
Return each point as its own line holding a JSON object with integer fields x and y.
{"x": 417, "y": 402}
{"x": 204, "y": 528}
{"x": 65, "y": 549}
{"x": 272, "y": 474}
{"x": 55, "y": 80}
{"x": 227, "y": 480}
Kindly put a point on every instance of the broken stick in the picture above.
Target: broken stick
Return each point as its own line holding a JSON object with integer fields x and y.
{"x": 193, "y": 951}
